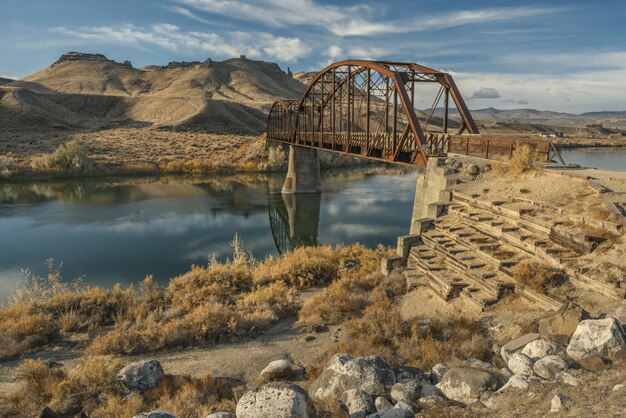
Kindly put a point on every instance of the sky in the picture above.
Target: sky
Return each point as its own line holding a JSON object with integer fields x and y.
{"x": 565, "y": 56}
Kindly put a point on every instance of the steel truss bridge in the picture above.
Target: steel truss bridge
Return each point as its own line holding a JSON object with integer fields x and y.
{"x": 367, "y": 109}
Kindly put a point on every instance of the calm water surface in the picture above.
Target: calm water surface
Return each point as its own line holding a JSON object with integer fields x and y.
{"x": 119, "y": 230}
{"x": 607, "y": 158}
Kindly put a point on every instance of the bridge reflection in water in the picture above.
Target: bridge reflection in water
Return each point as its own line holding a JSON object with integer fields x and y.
{"x": 294, "y": 220}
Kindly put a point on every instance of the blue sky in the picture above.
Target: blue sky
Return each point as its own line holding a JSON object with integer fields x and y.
{"x": 557, "y": 55}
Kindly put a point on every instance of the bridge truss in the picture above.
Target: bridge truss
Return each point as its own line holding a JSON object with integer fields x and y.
{"x": 367, "y": 108}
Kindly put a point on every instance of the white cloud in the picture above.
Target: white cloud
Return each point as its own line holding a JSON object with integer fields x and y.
{"x": 574, "y": 92}
{"x": 173, "y": 38}
{"x": 353, "y": 20}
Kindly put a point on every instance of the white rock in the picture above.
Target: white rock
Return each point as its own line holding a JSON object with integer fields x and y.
{"x": 539, "y": 349}
{"x": 596, "y": 337}
{"x": 549, "y": 366}
{"x": 276, "y": 400}
{"x": 437, "y": 372}
{"x": 371, "y": 374}
{"x": 407, "y": 391}
{"x": 520, "y": 363}
{"x": 557, "y": 403}
{"x": 466, "y": 384}
{"x": 382, "y": 404}
{"x": 568, "y": 379}
{"x": 278, "y": 370}
{"x": 359, "y": 403}
{"x": 621, "y": 386}
{"x": 516, "y": 345}
{"x": 141, "y": 375}
{"x": 519, "y": 381}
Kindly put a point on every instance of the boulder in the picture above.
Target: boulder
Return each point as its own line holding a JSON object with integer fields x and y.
{"x": 466, "y": 384}
{"x": 560, "y": 326}
{"x": 619, "y": 387}
{"x": 596, "y": 337}
{"x": 393, "y": 413}
{"x": 141, "y": 375}
{"x": 221, "y": 415}
{"x": 520, "y": 363}
{"x": 155, "y": 414}
{"x": 618, "y": 311}
{"x": 276, "y": 400}
{"x": 437, "y": 373}
{"x": 539, "y": 349}
{"x": 382, "y": 404}
{"x": 278, "y": 370}
{"x": 549, "y": 366}
{"x": 359, "y": 403}
{"x": 429, "y": 390}
{"x": 411, "y": 373}
{"x": 407, "y": 391}
{"x": 516, "y": 345}
{"x": 371, "y": 374}
{"x": 519, "y": 381}
{"x": 411, "y": 407}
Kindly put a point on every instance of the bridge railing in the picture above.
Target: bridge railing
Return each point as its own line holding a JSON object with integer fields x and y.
{"x": 502, "y": 148}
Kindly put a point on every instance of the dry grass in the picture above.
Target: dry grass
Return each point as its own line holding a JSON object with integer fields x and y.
{"x": 539, "y": 276}
{"x": 522, "y": 161}
{"x": 92, "y": 388}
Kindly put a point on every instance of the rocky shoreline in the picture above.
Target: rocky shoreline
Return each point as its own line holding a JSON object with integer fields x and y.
{"x": 567, "y": 344}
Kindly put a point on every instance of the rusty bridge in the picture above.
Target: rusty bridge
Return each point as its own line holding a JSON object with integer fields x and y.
{"x": 367, "y": 109}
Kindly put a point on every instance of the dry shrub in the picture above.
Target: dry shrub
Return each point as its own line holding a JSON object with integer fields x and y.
{"x": 92, "y": 388}
{"x": 276, "y": 160}
{"x": 71, "y": 157}
{"x": 277, "y": 298}
{"x": 347, "y": 297}
{"x": 538, "y": 276}
{"x": 189, "y": 397}
{"x": 7, "y": 166}
{"x": 303, "y": 267}
{"x": 381, "y": 331}
{"x": 22, "y": 329}
{"x": 521, "y": 161}
{"x": 220, "y": 282}
{"x": 65, "y": 392}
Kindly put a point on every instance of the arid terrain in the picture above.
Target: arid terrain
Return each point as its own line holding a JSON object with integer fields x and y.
{"x": 203, "y": 114}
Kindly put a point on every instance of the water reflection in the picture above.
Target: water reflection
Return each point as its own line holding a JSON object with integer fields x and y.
{"x": 294, "y": 219}
{"x": 118, "y": 230}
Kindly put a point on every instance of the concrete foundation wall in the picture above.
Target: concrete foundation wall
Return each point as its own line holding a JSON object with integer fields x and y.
{"x": 303, "y": 173}
{"x": 430, "y": 192}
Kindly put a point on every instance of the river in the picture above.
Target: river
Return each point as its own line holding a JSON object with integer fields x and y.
{"x": 606, "y": 158}
{"x": 118, "y": 230}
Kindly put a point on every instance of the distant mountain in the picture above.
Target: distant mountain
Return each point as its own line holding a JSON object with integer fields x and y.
{"x": 545, "y": 117}
{"x": 5, "y": 81}
{"x": 90, "y": 91}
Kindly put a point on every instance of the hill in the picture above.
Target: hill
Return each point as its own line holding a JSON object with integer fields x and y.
{"x": 231, "y": 96}
{"x": 546, "y": 117}
{"x": 5, "y": 81}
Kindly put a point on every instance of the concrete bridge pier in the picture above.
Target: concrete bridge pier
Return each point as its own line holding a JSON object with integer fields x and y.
{"x": 433, "y": 192}
{"x": 303, "y": 173}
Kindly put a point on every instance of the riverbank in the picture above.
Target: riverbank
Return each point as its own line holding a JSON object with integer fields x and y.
{"x": 211, "y": 332}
